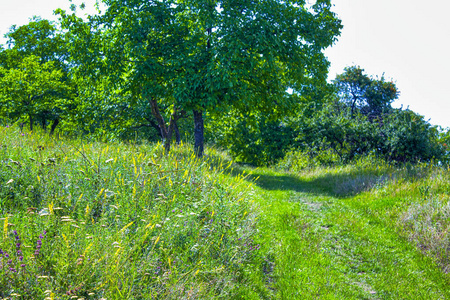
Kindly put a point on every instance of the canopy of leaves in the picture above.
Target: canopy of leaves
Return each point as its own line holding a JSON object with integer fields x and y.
{"x": 217, "y": 50}
{"x": 208, "y": 55}
{"x": 40, "y": 38}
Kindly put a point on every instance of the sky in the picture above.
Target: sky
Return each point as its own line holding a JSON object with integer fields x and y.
{"x": 406, "y": 40}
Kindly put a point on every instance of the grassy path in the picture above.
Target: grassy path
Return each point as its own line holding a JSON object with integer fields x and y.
{"x": 320, "y": 246}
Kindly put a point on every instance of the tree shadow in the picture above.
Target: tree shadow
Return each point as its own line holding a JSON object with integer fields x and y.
{"x": 339, "y": 185}
{"x": 283, "y": 183}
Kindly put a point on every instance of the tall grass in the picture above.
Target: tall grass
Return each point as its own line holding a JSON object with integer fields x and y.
{"x": 118, "y": 221}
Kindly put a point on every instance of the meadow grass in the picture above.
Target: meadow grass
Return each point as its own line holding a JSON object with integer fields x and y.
{"x": 90, "y": 220}
{"x": 116, "y": 221}
{"x": 367, "y": 230}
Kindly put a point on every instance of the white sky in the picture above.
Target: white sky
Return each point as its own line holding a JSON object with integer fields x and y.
{"x": 407, "y": 40}
{"x": 19, "y": 12}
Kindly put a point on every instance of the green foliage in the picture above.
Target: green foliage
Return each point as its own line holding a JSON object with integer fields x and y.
{"x": 31, "y": 89}
{"x": 256, "y": 140}
{"x": 40, "y": 38}
{"x": 408, "y": 137}
{"x": 264, "y": 138}
{"x": 332, "y": 130}
{"x": 401, "y": 136}
{"x": 35, "y": 68}
{"x": 360, "y": 121}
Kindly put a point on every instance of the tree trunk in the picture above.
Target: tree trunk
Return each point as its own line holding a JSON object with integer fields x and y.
{"x": 198, "y": 133}
{"x": 173, "y": 119}
{"x": 159, "y": 118}
{"x": 55, "y": 123}
{"x": 44, "y": 124}
{"x": 177, "y": 133}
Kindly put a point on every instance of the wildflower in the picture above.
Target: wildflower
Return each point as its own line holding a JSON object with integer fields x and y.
{"x": 39, "y": 243}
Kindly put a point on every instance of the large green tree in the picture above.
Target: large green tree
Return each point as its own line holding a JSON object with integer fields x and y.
{"x": 30, "y": 88}
{"x": 208, "y": 55}
{"x": 38, "y": 46}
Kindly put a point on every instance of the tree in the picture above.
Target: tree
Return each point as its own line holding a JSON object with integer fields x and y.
{"x": 39, "y": 41}
{"x": 40, "y": 38}
{"x": 30, "y": 89}
{"x": 402, "y": 136}
{"x": 209, "y": 55}
{"x": 367, "y": 95}
{"x": 133, "y": 51}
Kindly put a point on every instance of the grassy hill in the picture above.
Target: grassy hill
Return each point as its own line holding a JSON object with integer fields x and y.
{"x": 118, "y": 221}
{"x": 115, "y": 221}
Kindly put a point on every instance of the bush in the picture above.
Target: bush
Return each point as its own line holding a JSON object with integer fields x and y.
{"x": 400, "y": 135}
{"x": 406, "y": 136}
{"x": 255, "y": 140}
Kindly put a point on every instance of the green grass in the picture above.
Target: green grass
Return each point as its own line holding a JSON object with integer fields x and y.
{"x": 353, "y": 232}
{"x": 118, "y": 221}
